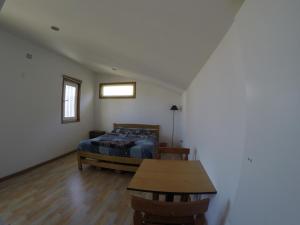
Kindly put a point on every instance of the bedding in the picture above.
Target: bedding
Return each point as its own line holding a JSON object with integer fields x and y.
{"x": 134, "y": 143}
{"x": 114, "y": 144}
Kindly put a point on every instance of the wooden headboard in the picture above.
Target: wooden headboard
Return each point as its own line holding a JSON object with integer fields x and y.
{"x": 154, "y": 128}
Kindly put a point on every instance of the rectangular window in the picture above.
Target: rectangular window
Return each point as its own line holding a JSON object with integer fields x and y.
{"x": 117, "y": 90}
{"x": 71, "y": 100}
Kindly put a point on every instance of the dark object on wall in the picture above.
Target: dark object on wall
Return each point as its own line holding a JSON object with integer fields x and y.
{"x": 55, "y": 28}
{"x": 28, "y": 56}
{"x": 173, "y": 108}
{"x": 96, "y": 133}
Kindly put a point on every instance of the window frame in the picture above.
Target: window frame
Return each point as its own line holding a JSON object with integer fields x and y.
{"x": 77, "y": 82}
{"x": 101, "y": 85}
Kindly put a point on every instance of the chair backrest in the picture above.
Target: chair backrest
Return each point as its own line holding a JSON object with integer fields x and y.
{"x": 151, "y": 212}
{"x": 183, "y": 152}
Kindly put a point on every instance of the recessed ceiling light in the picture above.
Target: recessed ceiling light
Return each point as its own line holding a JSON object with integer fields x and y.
{"x": 55, "y": 28}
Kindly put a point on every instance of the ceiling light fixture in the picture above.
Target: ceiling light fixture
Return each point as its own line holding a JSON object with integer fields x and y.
{"x": 55, "y": 28}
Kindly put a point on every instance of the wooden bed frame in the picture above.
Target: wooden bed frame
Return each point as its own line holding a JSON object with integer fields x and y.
{"x": 116, "y": 162}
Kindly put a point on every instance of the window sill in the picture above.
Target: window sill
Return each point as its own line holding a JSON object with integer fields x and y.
{"x": 70, "y": 121}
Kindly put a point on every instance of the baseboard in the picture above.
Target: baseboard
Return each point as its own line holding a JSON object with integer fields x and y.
{"x": 2, "y": 179}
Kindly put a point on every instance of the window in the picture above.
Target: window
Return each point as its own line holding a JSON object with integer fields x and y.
{"x": 117, "y": 90}
{"x": 71, "y": 100}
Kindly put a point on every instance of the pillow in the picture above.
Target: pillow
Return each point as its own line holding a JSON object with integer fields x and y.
{"x": 122, "y": 130}
{"x": 116, "y": 130}
{"x": 134, "y": 131}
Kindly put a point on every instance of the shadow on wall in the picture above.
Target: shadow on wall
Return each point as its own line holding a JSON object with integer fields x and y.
{"x": 219, "y": 218}
{"x": 225, "y": 213}
{"x": 1, "y": 4}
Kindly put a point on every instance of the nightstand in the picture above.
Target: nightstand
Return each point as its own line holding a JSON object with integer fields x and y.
{"x": 163, "y": 144}
{"x": 96, "y": 133}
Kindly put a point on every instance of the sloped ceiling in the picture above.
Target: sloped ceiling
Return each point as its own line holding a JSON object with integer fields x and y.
{"x": 163, "y": 40}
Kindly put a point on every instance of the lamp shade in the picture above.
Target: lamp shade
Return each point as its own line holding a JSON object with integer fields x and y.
{"x": 174, "y": 108}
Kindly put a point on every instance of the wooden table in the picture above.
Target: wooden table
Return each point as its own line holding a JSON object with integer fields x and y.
{"x": 172, "y": 177}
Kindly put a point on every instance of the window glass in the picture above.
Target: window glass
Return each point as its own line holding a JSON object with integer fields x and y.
{"x": 70, "y": 100}
{"x": 118, "y": 90}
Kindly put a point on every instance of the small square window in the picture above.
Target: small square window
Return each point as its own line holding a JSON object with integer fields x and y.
{"x": 117, "y": 90}
{"x": 71, "y": 100}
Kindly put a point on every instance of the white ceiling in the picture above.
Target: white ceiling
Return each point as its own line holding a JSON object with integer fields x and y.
{"x": 163, "y": 40}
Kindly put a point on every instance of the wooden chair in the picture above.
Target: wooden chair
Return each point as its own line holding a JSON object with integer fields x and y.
{"x": 183, "y": 152}
{"x": 155, "y": 212}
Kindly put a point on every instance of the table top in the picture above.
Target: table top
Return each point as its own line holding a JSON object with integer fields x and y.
{"x": 172, "y": 176}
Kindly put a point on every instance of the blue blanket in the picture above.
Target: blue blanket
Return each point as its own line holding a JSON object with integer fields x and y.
{"x": 1, "y": 222}
{"x": 143, "y": 148}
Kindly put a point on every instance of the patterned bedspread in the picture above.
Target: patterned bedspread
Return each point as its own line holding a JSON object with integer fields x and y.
{"x": 143, "y": 145}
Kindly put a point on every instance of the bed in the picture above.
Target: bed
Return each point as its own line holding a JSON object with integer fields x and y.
{"x": 122, "y": 150}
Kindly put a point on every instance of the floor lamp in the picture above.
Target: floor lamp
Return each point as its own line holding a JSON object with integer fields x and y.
{"x": 173, "y": 109}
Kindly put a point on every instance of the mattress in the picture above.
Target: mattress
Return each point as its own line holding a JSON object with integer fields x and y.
{"x": 143, "y": 147}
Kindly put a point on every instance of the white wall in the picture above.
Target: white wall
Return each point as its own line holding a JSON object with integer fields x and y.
{"x": 245, "y": 104}
{"x": 30, "y": 115}
{"x": 151, "y": 106}
{"x": 269, "y": 31}
{"x": 214, "y": 115}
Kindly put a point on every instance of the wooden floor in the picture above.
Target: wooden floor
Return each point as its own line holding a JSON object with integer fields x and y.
{"x": 59, "y": 194}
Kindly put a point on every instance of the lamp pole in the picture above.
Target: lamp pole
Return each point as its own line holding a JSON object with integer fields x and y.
{"x": 173, "y": 128}
{"x": 173, "y": 108}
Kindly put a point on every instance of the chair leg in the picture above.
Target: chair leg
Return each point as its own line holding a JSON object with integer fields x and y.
{"x": 200, "y": 220}
{"x": 79, "y": 162}
{"x": 137, "y": 218}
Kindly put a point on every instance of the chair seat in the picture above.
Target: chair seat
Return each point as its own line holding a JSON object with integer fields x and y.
{"x": 150, "y": 212}
{"x": 153, "y": 219}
